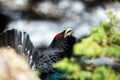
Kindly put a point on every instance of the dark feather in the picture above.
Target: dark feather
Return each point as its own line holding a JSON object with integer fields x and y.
{"x": 40, "y": 60}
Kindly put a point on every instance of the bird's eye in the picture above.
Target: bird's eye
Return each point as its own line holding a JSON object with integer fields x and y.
{"x": 58, "y": 36}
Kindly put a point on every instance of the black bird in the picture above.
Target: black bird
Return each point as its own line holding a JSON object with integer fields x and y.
{"x": 60, "y": 47}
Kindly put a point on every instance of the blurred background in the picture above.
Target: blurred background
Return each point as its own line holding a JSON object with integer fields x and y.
{"x": 43, "y": 19}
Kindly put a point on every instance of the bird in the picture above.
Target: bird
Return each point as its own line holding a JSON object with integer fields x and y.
{"x": 59, "y": 48}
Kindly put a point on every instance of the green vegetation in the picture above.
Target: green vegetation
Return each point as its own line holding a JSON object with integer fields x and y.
{"x": 104, "y": 40}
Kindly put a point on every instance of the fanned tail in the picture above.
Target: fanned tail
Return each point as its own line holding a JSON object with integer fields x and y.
{"x": 20, "y": 41}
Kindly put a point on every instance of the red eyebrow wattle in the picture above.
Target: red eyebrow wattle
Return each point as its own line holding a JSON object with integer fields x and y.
{"x": 58, "y": 36}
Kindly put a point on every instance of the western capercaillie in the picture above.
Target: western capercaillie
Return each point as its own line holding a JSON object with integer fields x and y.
{"x": 60, "y": 47}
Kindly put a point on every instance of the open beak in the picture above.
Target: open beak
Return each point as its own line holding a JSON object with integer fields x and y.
{"x": 68, "y": 32}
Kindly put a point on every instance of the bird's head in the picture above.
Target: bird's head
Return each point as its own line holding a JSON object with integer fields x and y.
{"x": 64, "y": 34}
{"x": 64, "y": 40}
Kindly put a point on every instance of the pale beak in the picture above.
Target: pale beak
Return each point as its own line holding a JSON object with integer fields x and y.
{"x": 68, "y": 32}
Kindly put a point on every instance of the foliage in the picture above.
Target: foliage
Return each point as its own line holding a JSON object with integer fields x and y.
{"x": 104, "y": 40}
